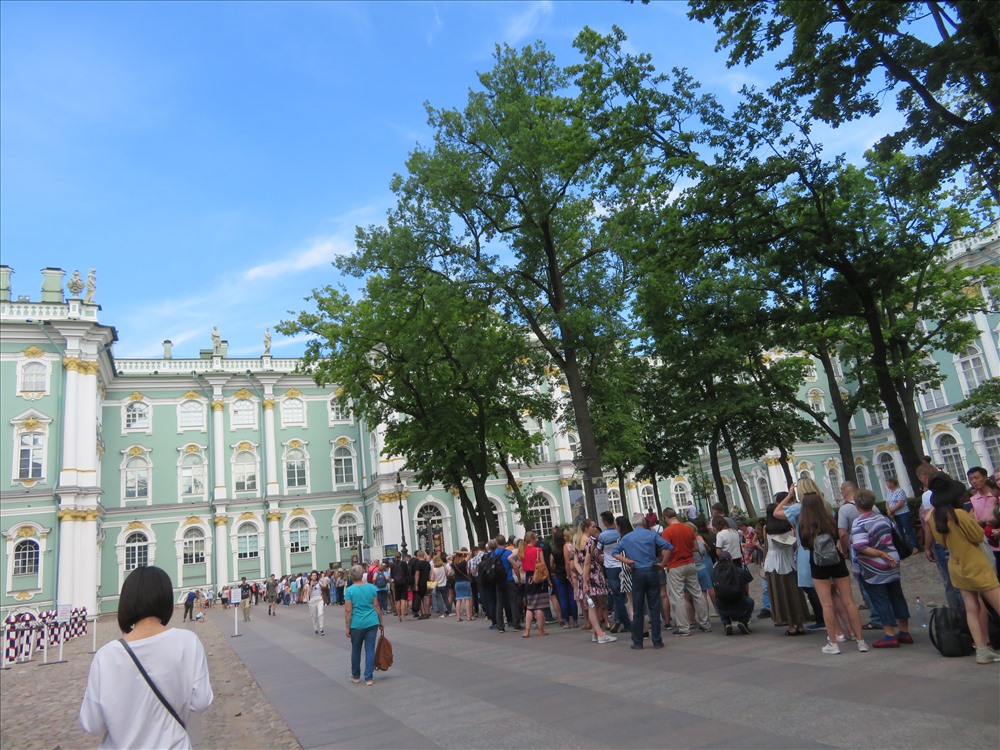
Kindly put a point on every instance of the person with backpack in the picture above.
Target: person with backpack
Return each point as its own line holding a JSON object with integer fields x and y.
{"x": 400, "y": 584}
{"x": 536, "y": 584}
{"x": 732, "y": 602}
{"x": 971, "y": 571}
{"x": 381, "y": 582}
{"x": 487, "y": 583}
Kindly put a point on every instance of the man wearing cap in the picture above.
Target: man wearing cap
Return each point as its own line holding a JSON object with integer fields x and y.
{"x": 646, "y": 553}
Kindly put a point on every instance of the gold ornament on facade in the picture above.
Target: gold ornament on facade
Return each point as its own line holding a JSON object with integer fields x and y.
{"x": 859, "y": 461}
{"x": 191, "y": 396}
{"x": 772, "y": 461}
{"x": 136, "y": 525}
{"x": 192, "y": 520}
{"x": 268, "y": 404}
{"x": 244, "y": 445}
{"x": 299, "y": 512}
{"x": 33, "y": 352}
{"x": 31, "y": 423}
{"x": 135, "y": 396}
{"x": 341, "y": 441}
{"x": 27, "y": 482}
{"x": 23, "y": 596}
{"x": 66, "y": 515}
{"x": 221, "y": 520}
{"x": 218, "y": 405}
{"x": 25, "y": 531}
{"x": 295, "y": 444}
{"x": 191, "y": 448}
{"x": 831, "y": 463}
{"x": 680, "y": 478}
{"x": 246, "y": 516}
{"x": 89, "y": 515}
{"x": 293, "y": 393}
{"x": 564, "y": 482}
{"x": 274, "y": 516}
{"x": 939, "y": 428}
{"x": 71, "y": 363}
{"x": 86, "y": 367}
{"x": 346, "y": 507}
{"x": 893, "y": 447}
{"x": 135, "y": 450}
{"x": 630, "y": 485}
{"x": 243, "y": 393}
{"x": 339, "y": 392}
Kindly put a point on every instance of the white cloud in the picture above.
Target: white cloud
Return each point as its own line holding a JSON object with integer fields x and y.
{"x": 318, "y": 252}
{"x": 436, "y": 25}
{"x": 527, "y": 23}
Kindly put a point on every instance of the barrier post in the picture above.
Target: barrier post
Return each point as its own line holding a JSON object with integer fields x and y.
{"x": 94, "y": 650}
{"x": 3, "y": 656}
{"x": 62, "y": 618}
{"x": 45, "y": 643}
{"x": 237, "y": 593}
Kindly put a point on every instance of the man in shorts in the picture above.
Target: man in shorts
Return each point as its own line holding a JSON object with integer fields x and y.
{"x": 271, "y": 594}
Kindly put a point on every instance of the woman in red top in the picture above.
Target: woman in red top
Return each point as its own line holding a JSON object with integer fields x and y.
{"x": 536, "y": 593}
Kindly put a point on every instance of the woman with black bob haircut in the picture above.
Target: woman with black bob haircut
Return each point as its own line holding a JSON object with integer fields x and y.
{"x": 143, "y": 688}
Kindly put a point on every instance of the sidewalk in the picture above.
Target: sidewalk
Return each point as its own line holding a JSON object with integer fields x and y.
{"x": 39, "y": 706}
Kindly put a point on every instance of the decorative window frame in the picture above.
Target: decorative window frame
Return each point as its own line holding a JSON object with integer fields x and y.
{"x": 189, "y": 398}
{"x": 503, "y": 525}
{"x": 45, "y": 362}
{"x": 286, "y": 535}
{"x": 979, "y": 442}
{"x": 245, "y": 446}
{"x": 124, "y": 534}
{"x": 292, "y": 394}
{"x": 27, "y": 423}
{"x": 343, "y": 415}
{"x": 129, "y": 454}
{"x": 347, "y": 510}
{"x": 241, "y": 395}
{"x": 616, "y": 493}
{"x": 862, "y": 478}
{"x": 551, "y": 505}
{"x": 685, "y": 489}
{"x": 348, "y": 443}
{"x": 193, "y": 522}
{"x": 646, "y": 492}
{"x": 573, "y": 445}
{"x": 940, "y": 432}
{"x": 192, "y": 449}
{"x": 817, "y": 400}
{"x": 442, "y": 511}
{"x": 243, "y": 519}
{"x": 967, "y": 387}
{"x": 378, "y": 531}
{"x": 137, "y": 398}
{"x": 25, "y": 531}
{"x": 879, "y": 464}
{"x": 296, "y": 444}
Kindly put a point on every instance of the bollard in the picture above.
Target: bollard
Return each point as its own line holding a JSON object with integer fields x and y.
{"x": 62, "y": 638}
{"x": 94, "y": 650}
{"x": 3, "y": 641}
{"x": 45, "y": 644}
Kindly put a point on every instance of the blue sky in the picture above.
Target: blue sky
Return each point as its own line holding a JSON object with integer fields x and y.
{"x": 210, "y": 159}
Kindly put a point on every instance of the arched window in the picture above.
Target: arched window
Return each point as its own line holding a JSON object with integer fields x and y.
{"x": 247, "y": 541}
{"x": 833, "y": 477}
{"x": 542, "y": 514}
{"x": 26, "y": 558}
{"x": 30, "y": 455}
{"x": 574, "y": 444}
{"x": 763, "y": 491}
{"x": 932, "y": 397}
{"x": 728, "y": 490}
{"x": 972, "y": 368}
{"x": 136, "y": 478}
{"x": 295, "y": 468}
{"x": 951, "y": 456}
{"x": 194, "y": 546}
{"x": 343, "y": 465}
{"x": 243, "y": 413}
{"x": 991, "y": 442}
{"x": 347, "y": 528}
{"x": 192, "y": 475}
{"x": 298, "y": 535}
{"x": 886, "y": 467}
{"x": 34, "y": 377}
{"x": 615, "y": 501}
{"x": 378, "y": 532}
{"x": 647, "y": 500}
{"x": 293, "y": 411}
{"x": 245, "y": 472}
{"x": 192, "y": 415}
{"x": 542, "y": 446}
{"x": 680, "y": 495}
{"x": 136, "y": 550}
{"x": 136, "y": 416}
{"x": 338, "y": 413}
{"x": 861, "y": 472}
{"x": 817, "y": 401}
{"x": 430, "y": 528}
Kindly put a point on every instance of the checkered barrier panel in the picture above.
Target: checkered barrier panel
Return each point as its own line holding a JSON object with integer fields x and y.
{"x": 25, "y": 631}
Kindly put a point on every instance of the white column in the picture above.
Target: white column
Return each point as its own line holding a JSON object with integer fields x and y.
{"x": 221, "y": 550}
{"x": 988, "y": 344}
{"x": 632, "y": 490}
{"x": 270, "y": 449}
{"x": 86, "y": 435}
{"x": 72, "y": 427}
{"x": 218, "y": 460}
{"x": 901, "y": 474}
{"x": 567, "y": 514}
{"x": 65, "y": 587}
{"x": 274, "y": 543}
{"x": 86, "y": 561}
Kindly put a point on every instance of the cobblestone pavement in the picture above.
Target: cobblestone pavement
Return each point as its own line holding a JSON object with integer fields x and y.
{"x": 40, "y": 705}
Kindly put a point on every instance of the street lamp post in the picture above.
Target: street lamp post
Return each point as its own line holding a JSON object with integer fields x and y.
{"x": 402, "y": 524}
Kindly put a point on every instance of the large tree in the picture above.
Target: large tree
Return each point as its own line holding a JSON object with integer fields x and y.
{"x": 941, "y": 57}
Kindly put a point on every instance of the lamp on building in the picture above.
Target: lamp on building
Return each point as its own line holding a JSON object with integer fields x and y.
{"x": 402, "y": 523}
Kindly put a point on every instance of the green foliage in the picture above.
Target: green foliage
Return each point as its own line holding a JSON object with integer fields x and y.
{"x": 982, "y": 407}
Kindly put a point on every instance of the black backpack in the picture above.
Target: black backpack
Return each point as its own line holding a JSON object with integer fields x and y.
{"x": 491, "y": 570}
{"x": 727, "y": 581}
{"x": 949, "y": 632}
{"x": 401, "y": 572}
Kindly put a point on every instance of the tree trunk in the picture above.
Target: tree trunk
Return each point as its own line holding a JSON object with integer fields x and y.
{"x": 713, "y": 460}
{"x": 522, "y": 504}
{"x": 591, "y": 456}
{"x": 841, "y": 416}
{"x": 737, "y": 472}
{"x": 622, "y": 490}
{"x": 656, "y": 499}
{"x": 785, "y": 468}
{"x": 475, "y": 523}
{"x": 483, "y": 508}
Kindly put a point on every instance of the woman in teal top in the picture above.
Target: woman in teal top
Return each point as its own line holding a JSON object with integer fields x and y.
{"x": 364, "y": 619}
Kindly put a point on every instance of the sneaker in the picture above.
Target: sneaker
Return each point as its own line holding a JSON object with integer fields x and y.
{"x": 704, "y": 630}
{"x": 636, "y": 647}
{"x": 831, "y": 648}
{"x": 607, "y": 639}
{"x": 816, "y": 626}
{"x": 841, "y": 638}
{"x": 493, "y": 627}
{"x": 904, "y": 637}
{"x": 889, "y": 641}
{"x": 355, "y": 680}
{"x": 315, "y": 632}
{"x": 986, "y": 655}
{"x": 369, "y": 683}
{"x": 729, "y": 629}
{"x": 744, "y": 627}
{"x": 441, "y": 617}
{"x": 322, "y": 632}
{"x": 682, "y": 633}
{"x": 765, "y": 614}
{"x": 863, "y": 647}
{"x": 615, "y": 628}
{"x": 659, "y": 645}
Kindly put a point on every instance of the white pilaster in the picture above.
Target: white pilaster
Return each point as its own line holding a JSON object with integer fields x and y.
{"x": 72, "y": 427}
{"x": 274, "y": 542}
{"x": 66, "y": 584}
{"x": 86, "y": 560}
{"x": 221, "y": 549}
{"x": 270, "y": 450}
{"x": 218, "y": 460}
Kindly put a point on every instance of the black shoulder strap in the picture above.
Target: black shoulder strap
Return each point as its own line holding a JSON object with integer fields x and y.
{"x": 152, "y": 686}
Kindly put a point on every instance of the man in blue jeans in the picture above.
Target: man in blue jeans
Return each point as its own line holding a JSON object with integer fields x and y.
{"x": 613, "y": 570}
{"x": 646, "y": 553}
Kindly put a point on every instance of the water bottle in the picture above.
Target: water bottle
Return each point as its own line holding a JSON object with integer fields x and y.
{"x": 921, "y": 613}
{"x": 590, "y": 601}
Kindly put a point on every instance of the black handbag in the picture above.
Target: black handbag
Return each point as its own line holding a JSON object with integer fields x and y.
{"x": 949, "y": 632}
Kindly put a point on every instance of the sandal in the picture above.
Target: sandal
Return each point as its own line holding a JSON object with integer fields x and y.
{"x": 791, "y": 633}
{"x": 869, "y": 626}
